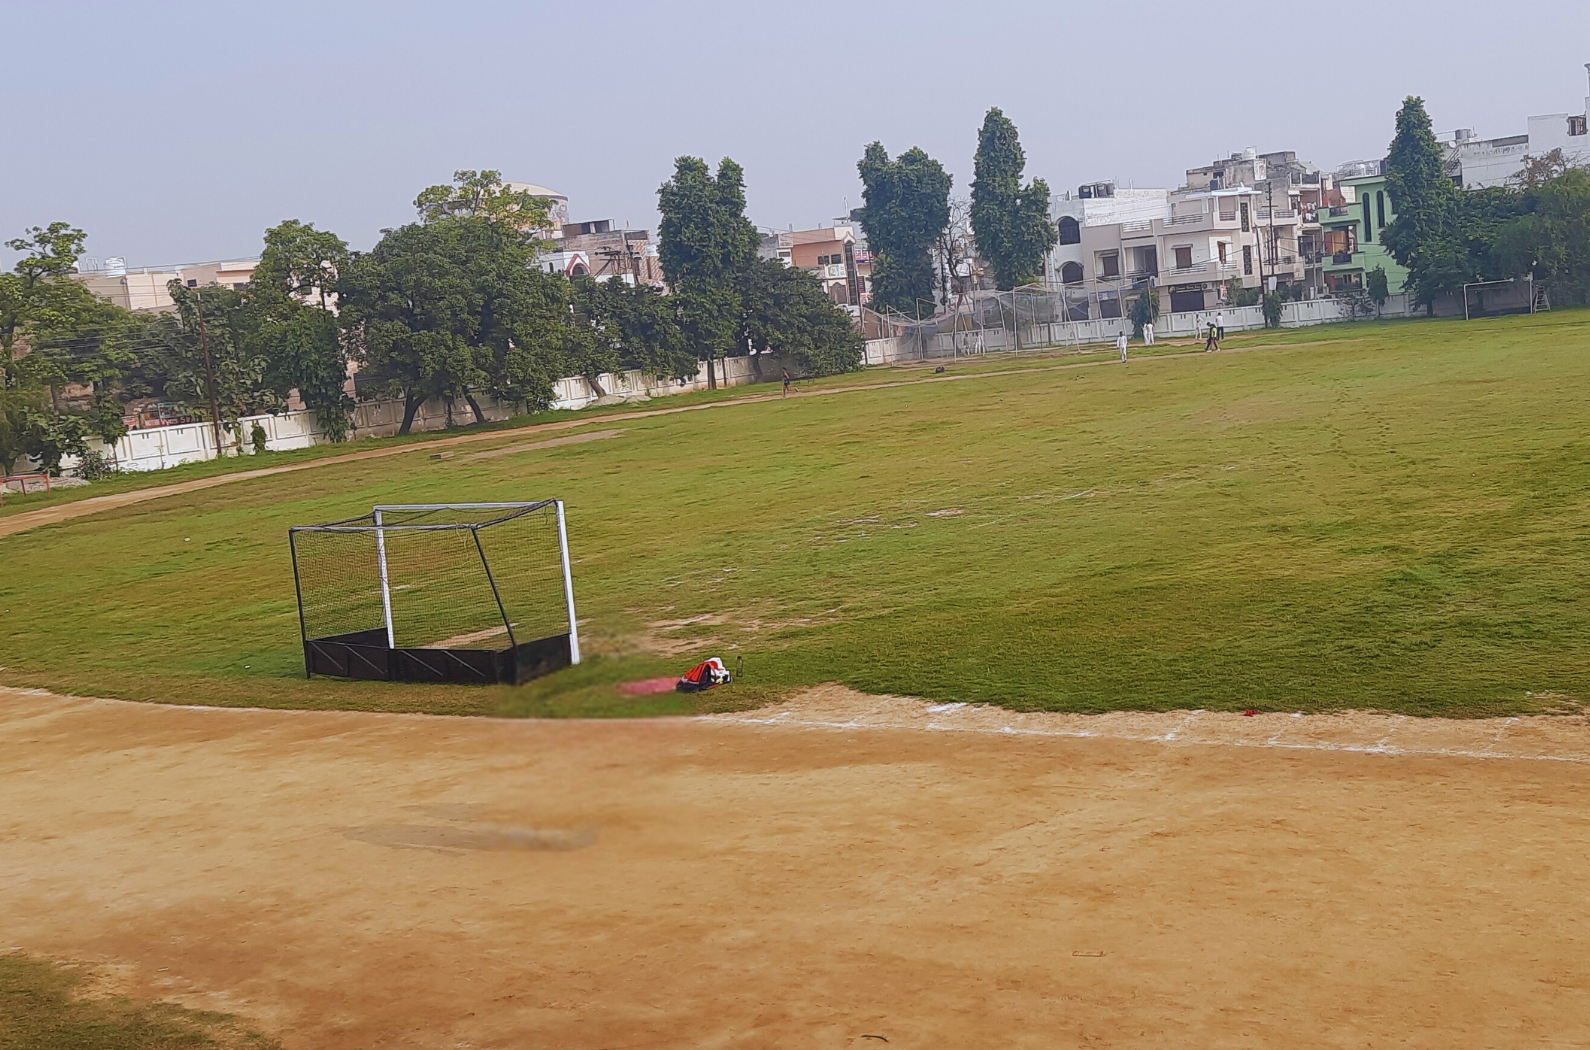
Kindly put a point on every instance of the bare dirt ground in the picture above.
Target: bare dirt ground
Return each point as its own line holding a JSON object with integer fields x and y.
{"x": 814, "y": 875}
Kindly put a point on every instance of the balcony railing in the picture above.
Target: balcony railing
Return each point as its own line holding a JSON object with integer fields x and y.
{"x": 1138, "y": 226}
{"x": 1185, "y": 220}
{"x": 1341, "y": 258}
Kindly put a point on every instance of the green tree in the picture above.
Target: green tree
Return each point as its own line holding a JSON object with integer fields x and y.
{"x": 704, "y": 237}
{"x": 54, "y": 333}
{"x": 1271, "y": 307}
{"x": 483, "y": 195}
{"x": 907, "y": 210}
{"x": 1444, "y": 236}
{"x": 728, "y": 301}
{"x": 786, "y": 311}
{"x": 239, "y": 361}
{"x": 1145, "y": 310}
{"x": 638, "y": 325}
{"x": 704, "y": 243}
{"x": 1010, "y": 221}
{"x": 293, "y": 326}
{"x": 410, "y": 310}
{"x": 1551, "y": 239}
{"x": 1378, "y": 287}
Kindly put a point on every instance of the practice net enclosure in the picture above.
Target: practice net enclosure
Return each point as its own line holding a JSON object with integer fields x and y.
{"x": 467, "y": 592}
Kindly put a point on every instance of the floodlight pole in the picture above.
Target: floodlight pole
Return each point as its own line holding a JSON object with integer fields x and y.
{"x": 386, "y": 588}
{"x": 568, "y": 587}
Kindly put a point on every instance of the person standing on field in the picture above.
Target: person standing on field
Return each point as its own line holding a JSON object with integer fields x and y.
{"x": 1148, "y": 333}
{"x": 1120, "y": 344}
{"x": 787, "y": 382}
{"x": 1220, "y": 327}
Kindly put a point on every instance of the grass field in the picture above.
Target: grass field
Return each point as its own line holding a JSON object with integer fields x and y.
{"x": 41, "y": 1009}
{"x": 1392, "y": 516}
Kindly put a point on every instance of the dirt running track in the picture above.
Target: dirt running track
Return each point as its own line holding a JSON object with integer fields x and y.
{"x": 356, "y": 880}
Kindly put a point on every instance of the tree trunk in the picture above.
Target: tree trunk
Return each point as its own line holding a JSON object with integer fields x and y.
{"x": 712, "y": 373}
{"x": 474, "y": 406}
{"x": 411, "y": 405}
{"x": 596, "y": 386}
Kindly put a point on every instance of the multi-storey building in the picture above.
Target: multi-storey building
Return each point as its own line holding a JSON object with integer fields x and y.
{"x": 606, "y": 253}
{"x": 1475, "y": 163}
{"x": 835, "y": 255}
{"x": 1188, "y": 243}
{"x": 1352, "y": 228}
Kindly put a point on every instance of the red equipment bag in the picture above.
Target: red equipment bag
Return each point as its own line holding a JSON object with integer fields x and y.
{"x": 704, "y": 675}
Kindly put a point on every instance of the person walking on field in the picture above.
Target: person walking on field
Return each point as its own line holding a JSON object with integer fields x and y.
{"x": 1212, "y": 341}
{"x": 1120, "y": 344}
{"x": 787, "y": 382}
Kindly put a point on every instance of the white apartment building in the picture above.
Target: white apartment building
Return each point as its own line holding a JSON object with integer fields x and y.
{"x": 1187, "y": 243}
{"x": 1475, "y": 163}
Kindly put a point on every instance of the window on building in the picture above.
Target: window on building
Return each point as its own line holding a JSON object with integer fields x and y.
{"x": 1369, "y": 229}
{"x": 1071, "y": 273}
{"x": 1222, "y": 246}
{"x": 1380, "y": 209}
{"x": 192, "y": 283}
{"x": 1109, "y": 308}
{"x": 1110, "y": 264}
{"x": 1183, "y": 256}
{"x": 1576, "y": 125}
{"x": 1070, "y": 230}
{"x": 1247, "y": 259}
{"x": 1245, "y": 225}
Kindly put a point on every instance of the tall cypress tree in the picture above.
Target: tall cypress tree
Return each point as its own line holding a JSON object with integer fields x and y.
{"x": 907, "y": 208}
{"x": 1010, "y": 221}
{"x": 1426, "y": 202}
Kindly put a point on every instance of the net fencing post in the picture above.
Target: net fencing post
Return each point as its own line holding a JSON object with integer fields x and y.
{"x": 568, "y": 586}
{"x": 386, "y": 589}
{"x": 298, "y": 589}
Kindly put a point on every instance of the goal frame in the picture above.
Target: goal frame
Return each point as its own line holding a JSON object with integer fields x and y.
{"x": 1528, "y": 281}
{"x": 373, "y": 654}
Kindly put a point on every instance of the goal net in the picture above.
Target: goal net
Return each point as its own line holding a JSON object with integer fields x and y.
{"x": 1495, "y": 298}
{"x": 437, "y": 592}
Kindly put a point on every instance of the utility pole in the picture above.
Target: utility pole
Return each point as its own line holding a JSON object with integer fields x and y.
{"x": 1269, "y": 188}
{"x": 209, "y": 373}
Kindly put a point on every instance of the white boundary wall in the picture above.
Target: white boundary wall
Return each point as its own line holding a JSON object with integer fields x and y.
{"x": 1298, "y": 314}
{"x": 156, "y": 448}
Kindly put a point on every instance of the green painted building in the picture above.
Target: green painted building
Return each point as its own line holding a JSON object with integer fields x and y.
{"x": 1351, "y": 235}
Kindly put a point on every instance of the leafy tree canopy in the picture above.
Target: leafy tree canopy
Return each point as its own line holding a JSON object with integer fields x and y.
{"x": 704, "y": 237}
{"x": 1010, "y": 221}
{"x": 907, "y": 210}
{"x": 483, "y": 195}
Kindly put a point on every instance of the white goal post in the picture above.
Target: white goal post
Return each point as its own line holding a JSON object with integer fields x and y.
{"x": 418, "y": 592}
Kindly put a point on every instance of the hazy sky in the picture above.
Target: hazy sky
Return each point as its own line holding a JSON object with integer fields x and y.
{"x": 177, "y": 133}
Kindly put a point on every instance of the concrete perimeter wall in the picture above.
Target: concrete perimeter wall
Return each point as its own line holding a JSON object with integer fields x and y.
{"x": 156, "y": 448}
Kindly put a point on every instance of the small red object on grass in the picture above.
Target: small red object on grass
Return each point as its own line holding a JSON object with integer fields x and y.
{"x": 648, "y": 686}
{"x": 1250, "y": 712}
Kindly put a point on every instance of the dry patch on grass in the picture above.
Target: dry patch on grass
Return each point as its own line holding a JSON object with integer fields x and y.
{"x": 1562, "y": 736}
